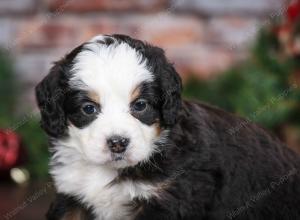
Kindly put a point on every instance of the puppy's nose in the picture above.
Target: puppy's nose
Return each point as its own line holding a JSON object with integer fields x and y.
{"x": 117, "y": 144}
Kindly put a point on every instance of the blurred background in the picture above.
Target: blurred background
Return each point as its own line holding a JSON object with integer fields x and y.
{"x": 243, "y": 56}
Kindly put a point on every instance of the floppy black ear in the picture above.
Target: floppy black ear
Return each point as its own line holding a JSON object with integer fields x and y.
{"x": 171, "y": 88}
{"x": 50, "y": 93}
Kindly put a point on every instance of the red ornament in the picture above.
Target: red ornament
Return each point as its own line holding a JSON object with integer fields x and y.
{"x": 293, "y": 11}
{"x": 10, "y": 150}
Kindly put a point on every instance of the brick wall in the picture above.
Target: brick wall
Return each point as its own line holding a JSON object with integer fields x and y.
{"x": 202, "y": 37}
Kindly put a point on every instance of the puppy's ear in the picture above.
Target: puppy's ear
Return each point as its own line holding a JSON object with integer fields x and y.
{"x": 50, "y": 93}
{"x": 171, "y": 88}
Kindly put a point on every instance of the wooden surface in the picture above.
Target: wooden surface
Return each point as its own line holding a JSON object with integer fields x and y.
{"x": 29, "y": 202}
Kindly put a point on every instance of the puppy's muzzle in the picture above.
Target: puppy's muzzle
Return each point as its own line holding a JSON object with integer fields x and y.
{"x": 117, "y": 144}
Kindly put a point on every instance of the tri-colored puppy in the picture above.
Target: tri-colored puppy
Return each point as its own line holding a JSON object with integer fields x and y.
{"x": 125, "y": 146}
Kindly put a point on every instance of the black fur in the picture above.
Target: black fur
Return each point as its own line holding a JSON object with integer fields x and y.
{"x": 211, "y": 173}
{"x": 51, "y": 93}
{"x": 65, "y": 204}
{"x": 151, "y": 114}
{"x": 72, "y": 106}
{"x": 217, "y": 175}
{"x": 167, "y": 80}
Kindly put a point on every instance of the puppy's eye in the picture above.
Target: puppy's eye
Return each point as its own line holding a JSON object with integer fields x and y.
{"x": 89, "y": 109}
{"x": 139, "y": 105}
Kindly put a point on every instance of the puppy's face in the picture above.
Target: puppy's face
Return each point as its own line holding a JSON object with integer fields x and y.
{"x": 109, "y": 102}
{"x": 113, "y": 115}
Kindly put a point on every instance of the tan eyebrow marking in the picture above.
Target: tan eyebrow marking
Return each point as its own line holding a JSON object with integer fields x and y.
{"x": 135, "y": 93}
{"x": 94, "y": 96}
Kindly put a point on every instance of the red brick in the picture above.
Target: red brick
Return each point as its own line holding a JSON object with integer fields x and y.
{"x": 183, "y": 37}
{"x": 240, "y": 7}
{"x": 106, "y": 5}
{"x": 165, "y": 29}
{"x": 201, "y": 61}
{"x": 11, "y": 7}
{"x": 43, "y": 33}
{"x": 232, "y": 32}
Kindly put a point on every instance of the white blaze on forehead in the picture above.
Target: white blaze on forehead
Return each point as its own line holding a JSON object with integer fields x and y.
{"x": 110, "y": 70}
{"x": 84, "y": 163}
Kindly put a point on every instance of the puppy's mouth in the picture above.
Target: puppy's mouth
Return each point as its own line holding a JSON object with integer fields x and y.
{"x": 120, "y": 160}
{"x": 118, "y": 156}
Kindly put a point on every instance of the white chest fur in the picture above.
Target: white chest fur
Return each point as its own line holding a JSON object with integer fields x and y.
{"x": 92, "y": 185}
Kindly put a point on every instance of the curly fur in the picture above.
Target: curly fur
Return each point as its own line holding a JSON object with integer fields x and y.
{"x": 201, "y": 170}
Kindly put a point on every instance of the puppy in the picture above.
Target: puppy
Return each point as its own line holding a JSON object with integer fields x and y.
{"x": 125, "y": 146}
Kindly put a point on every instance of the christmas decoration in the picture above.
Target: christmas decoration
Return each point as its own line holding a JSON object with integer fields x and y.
{"x": 12, "y": 154}
{"x": 266, "y": 87}
{"x": 293, "y": 11}
{"x": 23, "y": 147}
{"x": 10, "y": 148}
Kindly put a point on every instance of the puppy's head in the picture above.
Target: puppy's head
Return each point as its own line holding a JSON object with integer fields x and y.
{"x": 109, "y": 101}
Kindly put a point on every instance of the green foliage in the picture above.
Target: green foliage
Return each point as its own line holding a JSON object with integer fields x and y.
{"x": 8, "y": 89}
{"x": 36, "y": 146}
{"x": 27, "y": 125}
{"x": 258, "y": 89}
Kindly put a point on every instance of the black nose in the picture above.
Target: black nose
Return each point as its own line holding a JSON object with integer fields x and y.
{"x": 117, "y": 144}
